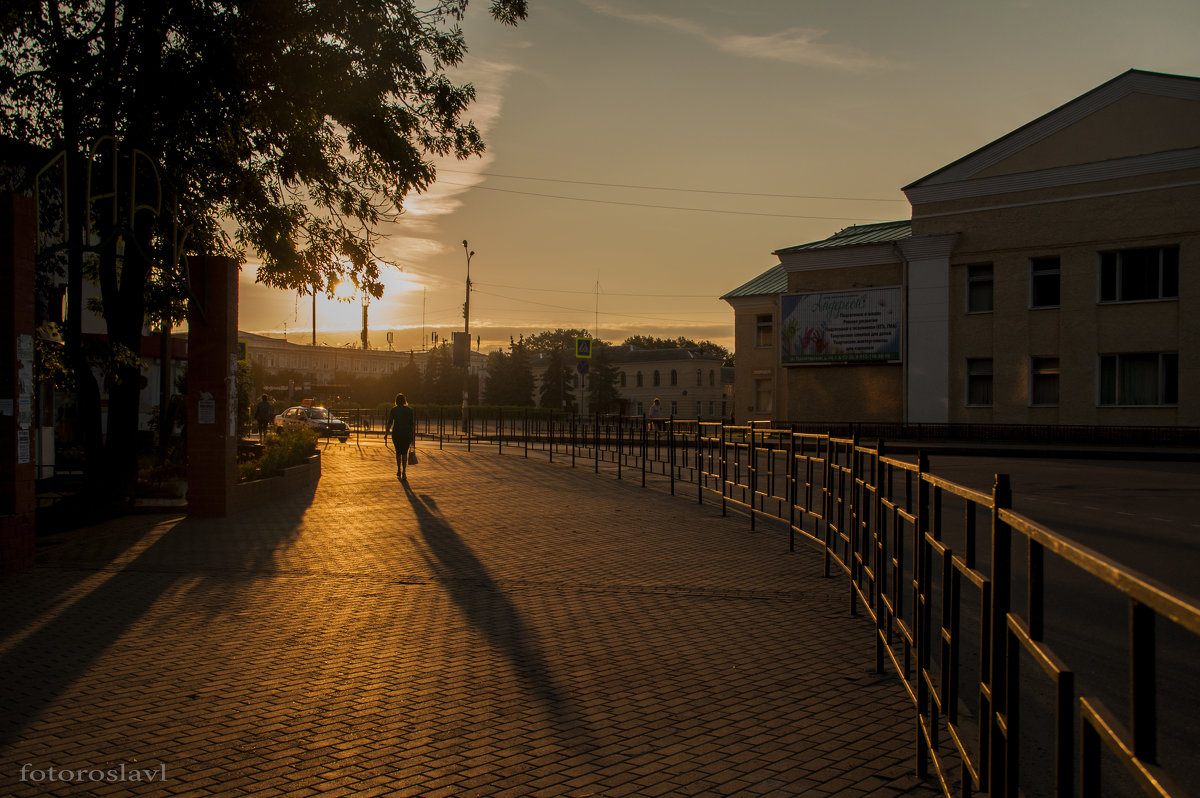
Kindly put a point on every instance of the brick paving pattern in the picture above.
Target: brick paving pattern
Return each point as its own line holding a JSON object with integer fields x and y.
{"x": 498, "y": 627}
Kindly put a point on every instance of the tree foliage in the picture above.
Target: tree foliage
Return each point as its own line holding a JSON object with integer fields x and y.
{"x": 558, "y": 339}
{"x": 704, "y": 347}
{"x": 287, "y": 129}
{"x": 603, "y": 393}
{"x": 510, "y": 377}
{"x": 557, "y": 391}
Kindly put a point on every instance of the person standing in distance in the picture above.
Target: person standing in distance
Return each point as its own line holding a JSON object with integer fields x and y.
{"x": 402, "y": 424}
{"x": 263, "y": 413}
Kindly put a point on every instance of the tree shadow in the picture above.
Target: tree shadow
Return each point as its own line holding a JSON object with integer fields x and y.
{"x": 492, "y": 614}
{"x": 87, "y": 604}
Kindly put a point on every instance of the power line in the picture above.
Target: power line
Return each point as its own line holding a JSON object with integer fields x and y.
{"x": 602, "y": 293}
{"x": 669, "y": 207}
{"x": 667, "y": 188}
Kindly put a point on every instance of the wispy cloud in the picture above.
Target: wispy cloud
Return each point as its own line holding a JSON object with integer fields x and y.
{"x": 797, "y": 45}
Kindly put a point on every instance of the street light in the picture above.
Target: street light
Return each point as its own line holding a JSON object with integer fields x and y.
{"x": 467, "y": 330}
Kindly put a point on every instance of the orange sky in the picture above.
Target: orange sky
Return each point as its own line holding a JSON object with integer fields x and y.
{"x": 646, "y": 156}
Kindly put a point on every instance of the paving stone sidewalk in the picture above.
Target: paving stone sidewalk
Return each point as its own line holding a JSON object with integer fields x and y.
{"x": 499, "y": 626}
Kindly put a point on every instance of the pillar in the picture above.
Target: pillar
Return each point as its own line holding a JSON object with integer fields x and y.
{"x": 18, "y": 499}
{"x": 212, "y": 437}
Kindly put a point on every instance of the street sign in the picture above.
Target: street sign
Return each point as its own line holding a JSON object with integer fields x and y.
{"x": 582, "y": 366}
{"x": 583, "y": 347}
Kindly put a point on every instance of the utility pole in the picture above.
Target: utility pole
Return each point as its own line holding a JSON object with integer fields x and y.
{"x": 467, "y": 330}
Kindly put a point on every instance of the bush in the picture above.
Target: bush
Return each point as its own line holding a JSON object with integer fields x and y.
{"x": 288, "y": 448}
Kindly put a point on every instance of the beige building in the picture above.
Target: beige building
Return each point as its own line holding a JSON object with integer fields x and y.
{"x": 1049, "y": 277}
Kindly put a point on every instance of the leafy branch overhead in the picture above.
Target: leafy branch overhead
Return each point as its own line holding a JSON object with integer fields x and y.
{"x": 288, "y": 128}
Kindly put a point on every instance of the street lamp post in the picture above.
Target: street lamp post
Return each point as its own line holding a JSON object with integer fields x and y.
{"x": 467, "y": 329}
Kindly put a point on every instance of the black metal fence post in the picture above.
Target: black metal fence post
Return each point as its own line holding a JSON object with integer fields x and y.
{"x": 671, "y": 449}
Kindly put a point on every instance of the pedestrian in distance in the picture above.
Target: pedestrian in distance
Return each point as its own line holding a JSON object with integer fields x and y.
{"x": 264, "y": 411}
{"x": 656, "y": 414}
{"x": 402, "y": 425}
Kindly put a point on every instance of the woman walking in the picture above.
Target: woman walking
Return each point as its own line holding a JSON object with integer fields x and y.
{"x": 402, "y": 424}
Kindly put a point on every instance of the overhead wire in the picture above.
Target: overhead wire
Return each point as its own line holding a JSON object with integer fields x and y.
{"x": 665, "y": 207}
{"x": 669, "y": 188}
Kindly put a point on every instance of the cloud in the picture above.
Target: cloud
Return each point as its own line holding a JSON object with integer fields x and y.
{"x": 798, "y": 45}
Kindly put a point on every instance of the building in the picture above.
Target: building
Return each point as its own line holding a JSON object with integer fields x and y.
{"x": 1050, "y": 277}
{"x": 327, "y": 365}
{"x": 689, "y": 384}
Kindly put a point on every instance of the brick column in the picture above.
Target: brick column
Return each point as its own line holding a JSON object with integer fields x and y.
{"x": 211, "y": 385}
{"x": 17, "y": 450}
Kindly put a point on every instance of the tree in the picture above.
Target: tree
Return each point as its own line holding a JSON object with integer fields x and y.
{"x": 510, "y": 377}
{"x": 297, "y": 125}
{"x": 558, "y": 382}
{"x": 703, "y": 347}
{"x": 556, "y": 340}
{"x": 603, "y": 393}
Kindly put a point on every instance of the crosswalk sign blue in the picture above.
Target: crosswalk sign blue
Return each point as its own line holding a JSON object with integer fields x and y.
{"x": 583, "y": 347}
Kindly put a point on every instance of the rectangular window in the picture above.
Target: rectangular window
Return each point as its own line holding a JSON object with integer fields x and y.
{"x": 979, "y": 288}
{"x": 1043, "y": 381}
{"x": 763, "y": 335}
{"x": 979, "y": 381}
{"x": 1139, "y": 379}
{"x": 1138, "y": 275}
{"x": 763, "y": 395}
{"x": 1044, "y": 282}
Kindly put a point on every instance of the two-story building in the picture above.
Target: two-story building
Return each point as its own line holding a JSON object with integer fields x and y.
{"x": 1050, "y": 277}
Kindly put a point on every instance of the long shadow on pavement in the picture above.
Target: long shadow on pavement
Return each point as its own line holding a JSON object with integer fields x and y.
{"x": 43, "y": 658}
{"x": 467, "y": 580}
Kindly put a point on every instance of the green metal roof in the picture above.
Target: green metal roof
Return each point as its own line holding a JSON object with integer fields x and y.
{"x": 772, "y": 281}
{"x": 858, "y": 234}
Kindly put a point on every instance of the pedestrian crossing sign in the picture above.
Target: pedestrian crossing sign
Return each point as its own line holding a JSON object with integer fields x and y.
{"x": 583, "y": 347}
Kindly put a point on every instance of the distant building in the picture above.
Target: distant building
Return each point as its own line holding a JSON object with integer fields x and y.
{"x": 688, "y": 384}
{"x": 1050, "y": 277}
{"x": 325, "y": 365}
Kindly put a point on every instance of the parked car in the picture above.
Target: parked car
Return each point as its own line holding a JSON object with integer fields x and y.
{"x": 317, "y": 419}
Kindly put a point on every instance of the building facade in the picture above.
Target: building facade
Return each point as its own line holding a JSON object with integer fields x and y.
{"x": 1050, "y": 277}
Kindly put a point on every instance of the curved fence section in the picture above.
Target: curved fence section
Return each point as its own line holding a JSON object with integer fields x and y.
{"x": 995, "y": 624}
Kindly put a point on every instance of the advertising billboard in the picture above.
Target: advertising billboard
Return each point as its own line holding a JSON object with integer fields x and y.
{"x": 841, "y": 326}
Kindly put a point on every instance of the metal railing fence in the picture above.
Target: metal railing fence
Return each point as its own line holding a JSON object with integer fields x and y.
{"x": 953, "y": 579}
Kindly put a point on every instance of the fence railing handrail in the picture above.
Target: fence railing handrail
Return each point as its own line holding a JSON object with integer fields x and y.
{"x": 879, "y": 520}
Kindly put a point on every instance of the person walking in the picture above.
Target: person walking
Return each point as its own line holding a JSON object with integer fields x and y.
{"x": 656, "y": 414}
{"x": 264, "y": 411}
{"x": 402, "y": 424}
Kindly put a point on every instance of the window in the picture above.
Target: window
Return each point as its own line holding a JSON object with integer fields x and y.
{"x": 1044, "y": 290}
{"x": 763, "y": 335}
{"x": 1043, "y": 381}
{"x": 639, "y": 379}
{"x": 699, "y": 378}
{"x": 1137, "y": 275}
{"x": 712, "y": 377}
{"x": 622, "y": 379}
{"x": 979, "y": 288}
{"x": 979, "y": 381}
{"x": 674, "y": 407}
{"x": 763, "y": 398}
{"x": 699, "y": 408}
{"x": 1139, "y": 379}
{"x": 674, "y": 377}
{"x": 657, "y": 380}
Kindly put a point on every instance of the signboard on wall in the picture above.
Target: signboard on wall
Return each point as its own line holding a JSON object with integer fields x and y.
{"x": 860, "y": 326}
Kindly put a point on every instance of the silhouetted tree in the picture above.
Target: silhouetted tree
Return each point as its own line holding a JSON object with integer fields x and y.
{"x": 298, "y": 125}
{"x": 556, "y": 340}
{"x": 603, "y": 374}
{"x": 558, "y": 382}
{"x": 703, "y": 347}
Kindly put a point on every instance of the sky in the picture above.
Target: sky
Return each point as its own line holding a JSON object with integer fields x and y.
{"x": 645, "y": 157}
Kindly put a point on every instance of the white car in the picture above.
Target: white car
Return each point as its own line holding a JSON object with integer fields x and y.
{"x": 317, "y": 419}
